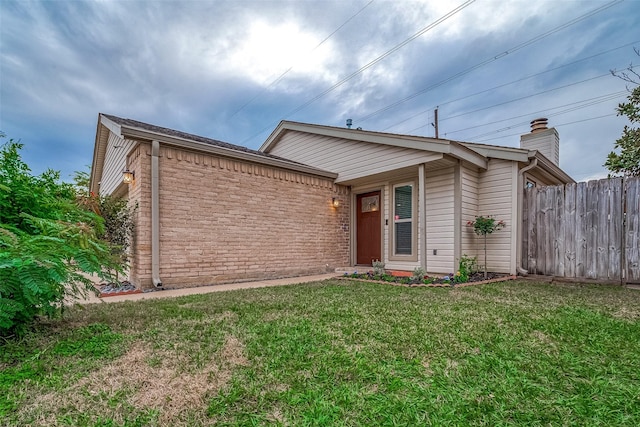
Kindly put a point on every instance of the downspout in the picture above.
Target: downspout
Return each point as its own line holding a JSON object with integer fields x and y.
{"x": 532, "y": 164}
{"x": 422, "y": 219}
{"x": 155, "y": 215}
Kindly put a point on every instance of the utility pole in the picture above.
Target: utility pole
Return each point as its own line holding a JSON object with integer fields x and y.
{"x": 435, "y": 119}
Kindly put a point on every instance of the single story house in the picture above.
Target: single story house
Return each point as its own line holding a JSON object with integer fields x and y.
{"x": 314, "y": 198}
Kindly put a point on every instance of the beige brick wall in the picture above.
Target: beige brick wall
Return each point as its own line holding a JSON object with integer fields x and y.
{"x": 222, "y": 220}
{"x": 140, "y": 194}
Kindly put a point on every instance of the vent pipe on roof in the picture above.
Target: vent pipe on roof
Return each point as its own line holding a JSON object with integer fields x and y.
{"x": 349, "y": 123}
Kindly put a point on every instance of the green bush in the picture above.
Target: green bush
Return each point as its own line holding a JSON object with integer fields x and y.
{"x": 47, "y": 243}
{"x": 466, "y": 267}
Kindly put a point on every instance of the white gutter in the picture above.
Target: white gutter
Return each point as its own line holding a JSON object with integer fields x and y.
{"x": 532, "y": 164}
{"x": 155, "y": 215}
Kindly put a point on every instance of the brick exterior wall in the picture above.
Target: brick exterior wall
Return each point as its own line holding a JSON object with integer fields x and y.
{"x": 139, "y": 161}
{"x": 224, "y": 220}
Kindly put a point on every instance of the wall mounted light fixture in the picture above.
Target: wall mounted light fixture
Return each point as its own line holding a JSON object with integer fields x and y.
{"x": 335, "y": 202}
{"x": 127, "y": 176}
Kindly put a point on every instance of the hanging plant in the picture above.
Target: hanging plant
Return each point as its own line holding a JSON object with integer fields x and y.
{"x": 482, "y": 226}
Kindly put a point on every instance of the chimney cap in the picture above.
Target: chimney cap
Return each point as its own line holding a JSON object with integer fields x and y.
{"x": 538, "y": 125}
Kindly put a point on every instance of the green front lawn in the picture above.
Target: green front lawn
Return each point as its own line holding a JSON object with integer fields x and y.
{"x": 335, "y": 353}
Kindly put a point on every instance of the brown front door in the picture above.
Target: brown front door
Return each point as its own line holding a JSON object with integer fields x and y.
{"x": 368, "y": 228}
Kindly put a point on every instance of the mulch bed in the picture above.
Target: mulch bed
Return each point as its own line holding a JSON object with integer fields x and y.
{"x": 440, "y": 282}
{"x": 114, "y": 289}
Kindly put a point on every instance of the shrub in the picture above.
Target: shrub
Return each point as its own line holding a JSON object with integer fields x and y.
{"x": 47, "y": 243}
{"x": 483, "y": 226}
{"x": 418, "y": 274}
{"x": 378, "y": 268}
{"x": 466, "y": 267}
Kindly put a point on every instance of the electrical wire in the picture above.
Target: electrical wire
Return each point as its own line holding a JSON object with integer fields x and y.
{"x": 370, "y": 64}
{"x": 556, "y": 125}
{"x": 516, "y": 99}
{"x": 281, "y": 76}
{"x": 573, "y": 107}
{"x": 504, "y": 85}
{"x": 490, "y": 60}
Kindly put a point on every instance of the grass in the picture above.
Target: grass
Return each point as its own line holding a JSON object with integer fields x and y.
{"x": 335, "y": 353}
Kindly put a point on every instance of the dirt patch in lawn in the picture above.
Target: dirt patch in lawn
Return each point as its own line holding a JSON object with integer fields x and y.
{"x": 151, "y": 379}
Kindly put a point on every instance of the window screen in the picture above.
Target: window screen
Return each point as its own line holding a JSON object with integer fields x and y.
{"x": 403, "y": 219}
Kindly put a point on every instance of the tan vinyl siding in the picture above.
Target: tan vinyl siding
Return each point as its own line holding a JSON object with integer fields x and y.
{"x": 495, "y": 198}
{"x": 469, "y": 210}
{"x": 350, "y": 159}
{"x": 115, "y": 163}
{"x": 440, "y": 220}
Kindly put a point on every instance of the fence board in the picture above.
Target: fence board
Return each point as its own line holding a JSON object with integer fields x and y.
{"x": 615, "y": 229}
{"x": 570, "y": 230}
{"x": 531, "y": 251}
{"x": 541, "y": 229}
{"x": 586, "y": 230}
{"x": 592, "y": 230}
{"x": 558, "y": 231}
{"x": 632, "y": 230}
{"x": 581, "y": 229}
{"x": 601, "y": 219}
{"x": 524, "y": 261}
{"x": 550, "y": 227}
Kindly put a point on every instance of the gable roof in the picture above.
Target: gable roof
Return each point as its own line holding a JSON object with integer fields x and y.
{"x": 435, "y": 145}
{"x": 140, "y": 131}
{"x": 130, "y": 124}
{"x": 474, "y": 153}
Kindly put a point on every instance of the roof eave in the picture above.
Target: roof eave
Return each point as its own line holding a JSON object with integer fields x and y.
{"x": 99, "y": 151}
{"x": 551, "y": 168}
{"x": 442, "y": 146}
{"x": 141, "y": 134}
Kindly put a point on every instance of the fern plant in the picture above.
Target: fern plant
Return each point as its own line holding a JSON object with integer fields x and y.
{"x": 47, "y": 243}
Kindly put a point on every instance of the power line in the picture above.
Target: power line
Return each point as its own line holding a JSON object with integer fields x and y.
{"x": 492, "y": 59}
{"x": 557, "y": 126}
{"x": 281, "y": 76}
{"x": 370, "y": 64}
{"x": 517, "y": 99}
{"x": 558, "y": 113}
{"x": 573, "y": 107}
{"x": 507, "y": 84}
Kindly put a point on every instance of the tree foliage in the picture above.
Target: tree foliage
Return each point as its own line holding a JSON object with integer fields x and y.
{"x": 48, "y": 243}
{"x": 625, "y": 160}
{"x": 117, "y": 214}
{"x": 483, "y": 226}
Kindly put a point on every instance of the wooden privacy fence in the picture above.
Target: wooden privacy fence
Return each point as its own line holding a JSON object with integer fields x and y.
{"x": 588, "y": 230}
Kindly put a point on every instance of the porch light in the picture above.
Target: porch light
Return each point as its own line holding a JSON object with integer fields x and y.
{"x": 335, "y": 202}
{"x": 127, "y": 176}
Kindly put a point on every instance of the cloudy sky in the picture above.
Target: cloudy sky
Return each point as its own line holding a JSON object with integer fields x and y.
{"x": 231, "y": 70}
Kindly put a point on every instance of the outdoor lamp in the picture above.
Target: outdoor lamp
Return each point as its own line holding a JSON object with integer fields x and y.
{"x": 335, "y": 202}
{"x": 127, "y": 176}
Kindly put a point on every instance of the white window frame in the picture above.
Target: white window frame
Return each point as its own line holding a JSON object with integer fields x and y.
{"x": 393, "y": 256}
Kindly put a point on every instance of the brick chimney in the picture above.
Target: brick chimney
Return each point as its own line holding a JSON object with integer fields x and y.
{"x": 543, "y": 139}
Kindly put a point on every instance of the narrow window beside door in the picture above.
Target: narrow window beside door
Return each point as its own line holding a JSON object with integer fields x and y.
{"x": 403, "y": 219}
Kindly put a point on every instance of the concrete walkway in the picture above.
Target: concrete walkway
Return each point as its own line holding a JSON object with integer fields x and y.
{"x": 206, "y": 289}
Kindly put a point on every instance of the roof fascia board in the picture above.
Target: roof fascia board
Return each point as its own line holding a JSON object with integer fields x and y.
{"x": 418, "y": 160}
{"x": 503, "y": 153}
{"x": 99, "y": 151}
{"x": 357, "y": 135}
{"x": 112, "y": 126}
{"x": 549, "y": 167}
{"x": 417, "y": 143}
{"x": 136, "y": 133}
{"x": 463, "y": 153}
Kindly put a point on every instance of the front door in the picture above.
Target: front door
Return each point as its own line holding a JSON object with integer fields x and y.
{"x": 368, "y": 227}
